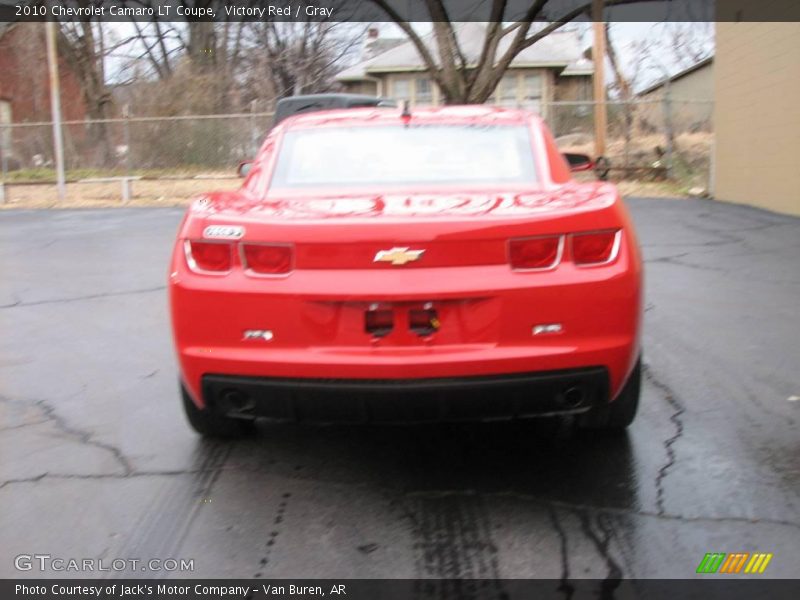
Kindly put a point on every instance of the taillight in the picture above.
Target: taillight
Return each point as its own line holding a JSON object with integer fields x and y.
{"x": 209, "y": 257}
{"x": 535, "y": 253}
{"x": 267, "y": 259}
{"x": 594, "y": 248}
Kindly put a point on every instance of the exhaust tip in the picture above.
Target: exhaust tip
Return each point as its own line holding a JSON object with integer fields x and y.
{"x": 236, "y": 401}
{"x": 573, "y": 397}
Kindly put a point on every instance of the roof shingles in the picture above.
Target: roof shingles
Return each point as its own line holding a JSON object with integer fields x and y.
{"x": 559, "y": 49}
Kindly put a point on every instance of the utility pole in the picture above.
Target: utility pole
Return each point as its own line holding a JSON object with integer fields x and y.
{"x": 55, "y": 107}
{"x": 599, "y": 80}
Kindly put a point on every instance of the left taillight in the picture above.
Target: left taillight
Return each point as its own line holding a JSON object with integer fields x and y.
{"x": 209, "y": 257}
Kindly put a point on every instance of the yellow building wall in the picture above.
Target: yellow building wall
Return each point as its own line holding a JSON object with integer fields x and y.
{"x": 757, "y": 115}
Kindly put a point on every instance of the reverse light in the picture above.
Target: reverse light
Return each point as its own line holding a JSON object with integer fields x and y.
{"x": 378, "y": 322}
{"x": 267, "y": 259}
{"x": 596, "y": 248}
{"x": 535, "y": 253}
{"x": 423, "y": 321}
{"x": 209, "y": 257}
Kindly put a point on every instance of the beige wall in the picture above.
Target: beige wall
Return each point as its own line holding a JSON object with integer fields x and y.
{"x": 697, "y": 85}
{"x": 757, "y": 115}
{"x": 368, "y": 88}
{"x": 391, "y": 87}
{"x": 514, "y": 90}
{"x": 691, "y": 102}
{"x": 573, "y": 88}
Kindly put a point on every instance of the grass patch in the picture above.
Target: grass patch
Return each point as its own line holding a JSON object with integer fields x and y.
{"x": 46, "y": 175}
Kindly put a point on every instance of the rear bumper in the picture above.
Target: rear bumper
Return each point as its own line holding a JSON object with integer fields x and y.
{"x": 487, "y": 314}
{"x": 408, "y": 400}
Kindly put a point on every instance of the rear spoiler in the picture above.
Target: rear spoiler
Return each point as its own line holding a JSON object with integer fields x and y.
{"x": 293, "y": 105}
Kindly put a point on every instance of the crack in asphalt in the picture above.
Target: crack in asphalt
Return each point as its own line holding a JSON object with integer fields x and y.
{"x": 85, "y": 437}
{"x": 82, "y": 436}
{"x": 724, "y": 237}
{"x": 393, "y": 493}
{"x": 563, "y": 587}
{"x": 668, "y": 444}
{"x": 610, "y": 510}
{"x": 101, "y": 476}
{"x": 675, "y": 260}
{"x": 20, "y": 303}
{"x": 35, "y": 479}
{"x": 23, "y": 425}
{"x": 614, "y": 577}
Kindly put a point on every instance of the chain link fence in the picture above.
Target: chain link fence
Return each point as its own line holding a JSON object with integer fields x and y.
{"x": 645, "y": 139}
{"x": 172, "y": 158}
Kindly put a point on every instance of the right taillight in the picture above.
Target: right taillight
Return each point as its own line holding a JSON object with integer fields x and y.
{"x": 209, "y": 257}
{"x": 595, "y": 248}
{"x": 267, "y": 259}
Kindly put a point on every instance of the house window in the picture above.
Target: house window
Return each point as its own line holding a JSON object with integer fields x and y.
{"x": 5, "y": 132}
{"x": 423, "y": 92}
{"x": 401, "y": 89}
{"x": 532, "y": 92}
{"x": 507, "y": 91}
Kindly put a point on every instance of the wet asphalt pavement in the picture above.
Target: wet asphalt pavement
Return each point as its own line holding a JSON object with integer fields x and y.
{"x": 96, "y": 460}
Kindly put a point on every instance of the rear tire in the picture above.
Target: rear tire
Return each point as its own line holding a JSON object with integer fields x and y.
{"x": 616, "y": 416}
{"x": 210, "y": 425}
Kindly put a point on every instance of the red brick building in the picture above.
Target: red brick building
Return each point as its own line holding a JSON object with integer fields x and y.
{"x": 24, "y": 78}
{"x": 25, "y": 91}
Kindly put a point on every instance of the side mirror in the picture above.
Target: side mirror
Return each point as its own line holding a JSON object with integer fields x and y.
{"x": 579, "y": 162}
{"x": 244, "y": 168}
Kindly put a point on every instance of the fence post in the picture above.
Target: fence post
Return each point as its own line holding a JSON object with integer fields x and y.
{"x": 126, "y": 182}
{"x": 668, "y": 126}
{"x": 254, "y": 140}
{"x": 5, "y": 134}
{"x": 126, "y": 114}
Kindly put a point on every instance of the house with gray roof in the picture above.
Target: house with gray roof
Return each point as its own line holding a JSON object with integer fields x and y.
{"x": 552, "y": 69}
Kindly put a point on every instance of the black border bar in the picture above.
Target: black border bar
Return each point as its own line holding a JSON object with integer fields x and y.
{"x": 709, "y": 587}
{"x": 372, "y": 11}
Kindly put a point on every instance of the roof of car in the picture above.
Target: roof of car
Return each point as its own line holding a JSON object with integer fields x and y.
{"x": 473, "y": 113}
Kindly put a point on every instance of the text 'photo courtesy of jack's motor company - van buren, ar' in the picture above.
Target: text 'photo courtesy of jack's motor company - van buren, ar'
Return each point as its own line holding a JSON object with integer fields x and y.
{"x": 200, "y": 590}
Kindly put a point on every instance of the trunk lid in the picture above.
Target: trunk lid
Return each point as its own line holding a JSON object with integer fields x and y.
{"x": 390, "y": 231}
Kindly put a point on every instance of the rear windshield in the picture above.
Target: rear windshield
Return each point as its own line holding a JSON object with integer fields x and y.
{"x": 399, "y": 155}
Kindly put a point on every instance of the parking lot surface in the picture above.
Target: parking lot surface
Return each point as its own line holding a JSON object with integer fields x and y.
{"x": 96, "y": 460}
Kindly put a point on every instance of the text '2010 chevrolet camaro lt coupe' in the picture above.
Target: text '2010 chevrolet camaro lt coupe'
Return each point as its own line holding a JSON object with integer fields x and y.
{"x": 382, "y": 265}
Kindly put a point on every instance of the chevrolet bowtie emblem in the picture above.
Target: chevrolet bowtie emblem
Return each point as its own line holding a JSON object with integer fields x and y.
{"x": 398, "y": 256}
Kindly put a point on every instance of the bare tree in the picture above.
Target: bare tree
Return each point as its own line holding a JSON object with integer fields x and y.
{"x": 81, "y": 46}
{"x": 472, "y": 80}
{"x": 197, "y": 61}
{"x": 162, "y": 41}
{"x": 298, "y": 57}
{"x": 689, "y": 43}
{"x": 625, "y": 80}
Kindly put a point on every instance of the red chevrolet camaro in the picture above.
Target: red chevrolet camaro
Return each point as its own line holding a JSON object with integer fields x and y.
{"x": 378, "y": 265}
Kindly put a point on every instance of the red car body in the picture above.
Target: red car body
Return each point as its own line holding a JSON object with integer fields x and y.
{"x": 348, "y": 319}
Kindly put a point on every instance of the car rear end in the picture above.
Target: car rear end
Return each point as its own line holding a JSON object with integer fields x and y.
{"x": 486, "y": 300}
